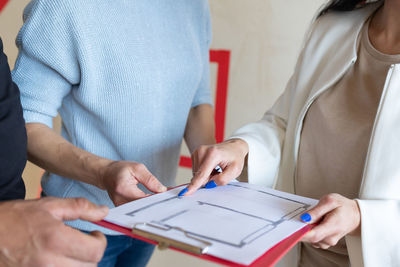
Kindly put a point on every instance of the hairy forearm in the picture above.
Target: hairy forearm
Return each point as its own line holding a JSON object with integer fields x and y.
{"x": 50, "y": 151}
{"x": 200, "y": 127}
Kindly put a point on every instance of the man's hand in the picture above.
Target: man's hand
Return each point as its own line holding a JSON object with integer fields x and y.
{"x": 229, "y": 155}
{"x": 121, "y": 179}
{"x": 53, "y": 153}
{"x": 338, "y": 217}
{"x": 32, "y": 233}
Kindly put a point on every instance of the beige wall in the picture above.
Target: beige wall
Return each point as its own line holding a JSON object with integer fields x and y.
{"x": 264, "y": 37}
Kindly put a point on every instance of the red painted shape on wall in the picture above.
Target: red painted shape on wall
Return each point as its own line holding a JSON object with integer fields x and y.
{"x": 3, "y": 3}
{"x": 222, "y": 58}
{"x": 185, "y": 162}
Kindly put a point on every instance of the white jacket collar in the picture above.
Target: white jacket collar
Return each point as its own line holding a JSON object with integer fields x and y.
{"x": 336, "y": 46}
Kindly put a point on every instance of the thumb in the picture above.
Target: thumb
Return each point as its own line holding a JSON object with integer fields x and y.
{"x": 324, "y": 206}
{"x": 144, "y": 176}
{"x": 203, "y": 174}
{"x": 75, "y": 208}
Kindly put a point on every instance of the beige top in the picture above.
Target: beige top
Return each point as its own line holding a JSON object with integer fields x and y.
{"x": 335, "y": 138}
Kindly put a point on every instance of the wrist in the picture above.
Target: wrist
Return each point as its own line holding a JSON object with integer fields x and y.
{"x": 98, "y": 167}
{"x": 357, "y": 229}
{"x": 241, "y": 145}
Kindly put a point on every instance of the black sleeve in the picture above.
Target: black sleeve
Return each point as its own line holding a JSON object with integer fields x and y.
{"x": 13, "y": 140}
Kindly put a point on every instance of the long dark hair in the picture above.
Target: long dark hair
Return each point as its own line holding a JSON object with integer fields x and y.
{"x": 343, "y": 5}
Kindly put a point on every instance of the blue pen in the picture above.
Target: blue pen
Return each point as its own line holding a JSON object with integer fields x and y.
{"x": 211, "y": 184}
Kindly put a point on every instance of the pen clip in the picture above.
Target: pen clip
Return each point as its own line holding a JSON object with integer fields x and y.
{"x": 217, "y": 170}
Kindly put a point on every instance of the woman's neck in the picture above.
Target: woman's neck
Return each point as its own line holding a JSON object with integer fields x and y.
{"x": 384, "y": 29}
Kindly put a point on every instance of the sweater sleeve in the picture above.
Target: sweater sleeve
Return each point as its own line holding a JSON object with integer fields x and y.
{"x": 47, "y": 66}
{"x": 12, "y": 135}
{"x": 203, "y": 93}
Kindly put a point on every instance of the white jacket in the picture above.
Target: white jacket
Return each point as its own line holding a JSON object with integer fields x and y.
{"x": 329, "y": 51}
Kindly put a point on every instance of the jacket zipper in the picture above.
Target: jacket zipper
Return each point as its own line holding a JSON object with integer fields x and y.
{"x": 304, "y": 112}
{"x": 371, "y": 139}
{"x": 309, "y": 103}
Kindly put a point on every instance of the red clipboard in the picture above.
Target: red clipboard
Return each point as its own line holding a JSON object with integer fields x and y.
{"x": 269, "y": 258}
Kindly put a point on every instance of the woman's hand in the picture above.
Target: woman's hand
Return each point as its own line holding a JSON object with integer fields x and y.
{"x": 337, "y": 216}
{"x": 229, "y": 155}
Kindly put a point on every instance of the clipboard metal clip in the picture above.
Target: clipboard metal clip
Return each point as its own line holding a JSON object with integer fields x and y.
{"x": 164, "y": 242}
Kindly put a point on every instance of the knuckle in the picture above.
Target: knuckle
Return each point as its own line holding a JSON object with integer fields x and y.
{"x": 316, "y": 238}
{"x": 97, "y": 254}
{"x": 329, "y": 198}
{"x": 51, "y": 240}
{"x": 334, "y": 196}
{"x": 140, "y": 167}
{"x": 199, "y": 175}
{"x": 236, "y": 170}
{"x": 46, "y": 239}
{"x": 201, "y": 149}
{"x": 331, "y": 241}
{"x": 316, "y": 246}
{"x": 119, "y": 188}
{"x": 213, "y": 151}
{"x": 223, "y": 179}
{"x": 151, "y": 180}
{"x": 81, "y": 203}
{"x": 198, "y": 182}
{"x": 324, "y": 246}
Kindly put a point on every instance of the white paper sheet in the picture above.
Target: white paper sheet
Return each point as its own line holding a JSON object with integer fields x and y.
{"x": 242, "y": 221}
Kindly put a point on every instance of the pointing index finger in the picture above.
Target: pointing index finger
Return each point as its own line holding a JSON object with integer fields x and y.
{"x": 202, "y": 175}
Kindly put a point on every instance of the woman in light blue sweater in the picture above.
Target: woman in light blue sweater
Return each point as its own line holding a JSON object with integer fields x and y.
{"x": 130, "y": 79}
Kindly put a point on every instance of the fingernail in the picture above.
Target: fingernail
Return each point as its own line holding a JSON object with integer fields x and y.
{"x": 183, "y": 192}
{"x": 162, "y": 188}
{"x": 210, "y": 184}
{"x": 305, "y": 217}
{"x": 104, "y": 209}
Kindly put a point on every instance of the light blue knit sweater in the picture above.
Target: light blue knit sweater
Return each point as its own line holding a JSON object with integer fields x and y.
{"x": 122, "y": 74}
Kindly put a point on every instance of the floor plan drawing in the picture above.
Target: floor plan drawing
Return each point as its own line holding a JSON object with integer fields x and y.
{"x": 239, "y": 221}
{"x": 258, "y": 225}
